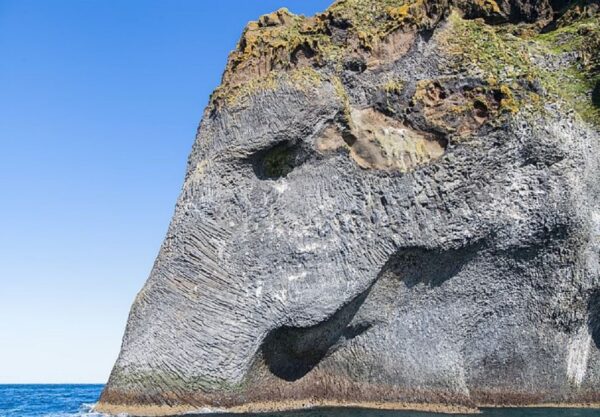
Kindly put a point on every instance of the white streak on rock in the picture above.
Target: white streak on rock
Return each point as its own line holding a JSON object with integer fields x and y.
{"x": 577, "y": 356}
{"x": 297, "y": 276}
{"x": 259, "y": 290}
{"x": 280, "y": 186}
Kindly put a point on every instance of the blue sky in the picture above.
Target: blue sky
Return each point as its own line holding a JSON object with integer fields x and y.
{"x": 99, "y": 104}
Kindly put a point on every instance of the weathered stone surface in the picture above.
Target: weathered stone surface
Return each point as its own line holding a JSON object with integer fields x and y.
{"x": 402, "y": 211}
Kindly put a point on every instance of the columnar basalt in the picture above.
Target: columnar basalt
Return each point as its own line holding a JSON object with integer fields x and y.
{"x": 393, "y": 203}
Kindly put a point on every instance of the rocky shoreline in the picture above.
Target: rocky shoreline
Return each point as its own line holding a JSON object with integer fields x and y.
{"x": 269, "y": 407}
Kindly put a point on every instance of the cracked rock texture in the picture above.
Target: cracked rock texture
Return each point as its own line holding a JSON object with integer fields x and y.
{"x": 390, "y": 202}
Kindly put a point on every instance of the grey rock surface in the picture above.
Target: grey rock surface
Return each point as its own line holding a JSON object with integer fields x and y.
{"x": 334, "y": 241}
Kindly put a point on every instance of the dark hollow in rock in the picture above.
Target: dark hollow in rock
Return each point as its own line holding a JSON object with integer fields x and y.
{"x": 355, "y": 64}
{"x": 596, "y": 94}
{"x": 432, "y": 267}
{"x": 480, "y": 109}
{"x": 292, "y": 352}
{"x": 278, "y": 160}
{"x": 301, "y": 53}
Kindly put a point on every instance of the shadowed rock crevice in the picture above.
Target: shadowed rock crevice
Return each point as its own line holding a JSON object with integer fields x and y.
{"x": 279, "y": 160}
{"x": 292, "y": 352}
{"x": 596, "y": 94}
{"x": 432, "y": 267}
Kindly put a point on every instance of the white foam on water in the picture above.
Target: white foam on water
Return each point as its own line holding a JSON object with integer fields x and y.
{"x": 85, "y": 410}
{"x": 578, "y": 352}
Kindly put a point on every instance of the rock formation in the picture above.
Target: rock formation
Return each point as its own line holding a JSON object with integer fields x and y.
{"x": 393, "y": 203}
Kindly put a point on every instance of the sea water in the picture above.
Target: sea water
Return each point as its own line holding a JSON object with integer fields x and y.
{"x": 48, "y": 400}
{"x": 78, "y": 400}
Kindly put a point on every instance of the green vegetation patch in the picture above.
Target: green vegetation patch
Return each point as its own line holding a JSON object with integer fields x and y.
{"x": 370, "y": 21}
{"x": 281, "y": 41}
{"x": 530, "y": 63}
{"x": 580, "y": 82}
{"x": 304, "y": 79}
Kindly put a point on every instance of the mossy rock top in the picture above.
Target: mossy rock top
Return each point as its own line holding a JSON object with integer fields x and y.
{"x": 498, "y": 38}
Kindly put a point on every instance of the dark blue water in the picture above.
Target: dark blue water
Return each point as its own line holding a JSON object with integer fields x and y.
{"x": 48, "y": 400}
{"x": 77, "y": 401}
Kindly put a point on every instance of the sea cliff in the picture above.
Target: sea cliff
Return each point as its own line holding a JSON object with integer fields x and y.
{"x": 390, "y": 204}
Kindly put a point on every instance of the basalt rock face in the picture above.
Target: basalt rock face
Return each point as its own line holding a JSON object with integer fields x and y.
{"x": 391, "y": 202}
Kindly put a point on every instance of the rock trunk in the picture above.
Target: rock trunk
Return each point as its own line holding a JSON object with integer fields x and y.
{"x": 388, "y": 204}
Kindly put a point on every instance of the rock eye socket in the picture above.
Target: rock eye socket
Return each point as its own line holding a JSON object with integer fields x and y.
{"x": 278, "y": 161}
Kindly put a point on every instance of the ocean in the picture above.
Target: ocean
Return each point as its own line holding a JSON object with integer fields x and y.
{"x": 48, "y": 400}
{"x": 77, "y": 401}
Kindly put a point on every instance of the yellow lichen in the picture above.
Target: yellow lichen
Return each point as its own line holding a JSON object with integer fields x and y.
{"x": 306, "y": 77}
{"x": 497, "y": 55}
{"x": 365, "y": 39}
{"x": 460, "y": 111}
{"x": 300, "y": 78}
{"x": 393, "y": 86}
{"x": 489, "y": 6}
{"x": 282, "y": 41}
{"x": 341, "y": 92}
{"x": 508, "y": 101}
{"x": 239, "y": 93}
{"x": 398, "y": 13}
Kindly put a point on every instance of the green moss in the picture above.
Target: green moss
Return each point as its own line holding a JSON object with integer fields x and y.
{"x": 578, "y": 84}
{"x": 341, "y": 92}
{"x": 304, "y": 78}
{"x": 494, "y": 53}
{"x": 373, "y": 20}
{"x": 282, "y": 41}
{"x": 482, "y": 48}
{"x": 274, "y": 40}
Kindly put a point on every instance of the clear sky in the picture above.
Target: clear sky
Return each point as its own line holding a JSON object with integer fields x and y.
{"x": 99, "y": 104}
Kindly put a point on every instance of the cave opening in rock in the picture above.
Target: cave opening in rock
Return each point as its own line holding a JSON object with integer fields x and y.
{"x": 292, "y": 352}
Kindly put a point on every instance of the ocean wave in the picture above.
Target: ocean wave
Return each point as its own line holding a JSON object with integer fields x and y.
{"x": 49, "y": 400}
{"x": 85, "y": 410}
